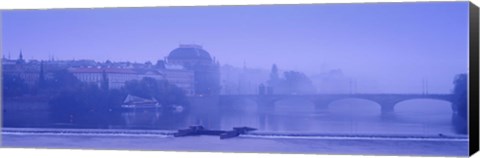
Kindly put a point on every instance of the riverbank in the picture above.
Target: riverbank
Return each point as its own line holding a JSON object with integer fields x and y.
{"x": 257, "y": 134}
{"x": 254, "y": 142}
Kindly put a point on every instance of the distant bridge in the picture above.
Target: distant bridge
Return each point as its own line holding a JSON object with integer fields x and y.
{"x": 387, "y": 102}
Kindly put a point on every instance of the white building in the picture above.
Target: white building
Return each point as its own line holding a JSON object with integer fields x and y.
{"x": 182, "y": 78}
{"x": 117, "y": 77}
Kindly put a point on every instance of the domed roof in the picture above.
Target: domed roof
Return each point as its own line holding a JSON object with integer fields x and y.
{"x": 189, "y": 52}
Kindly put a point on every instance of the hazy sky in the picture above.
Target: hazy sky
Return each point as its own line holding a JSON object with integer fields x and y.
{"x": 388, "y": 45}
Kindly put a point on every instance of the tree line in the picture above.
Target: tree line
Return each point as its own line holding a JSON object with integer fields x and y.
{"x": 291, "y": 82}
{"x": 460, "y": 103}
{"x": 76, "y": 102}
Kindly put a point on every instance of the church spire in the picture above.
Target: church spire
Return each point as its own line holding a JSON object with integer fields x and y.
{"x": 20, "y": 58}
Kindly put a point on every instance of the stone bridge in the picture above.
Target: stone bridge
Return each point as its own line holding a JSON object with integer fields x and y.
{"x": 387, "y": 102}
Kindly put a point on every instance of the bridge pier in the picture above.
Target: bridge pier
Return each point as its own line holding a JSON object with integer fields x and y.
{"x": 321, "y": 105}
{"x": 265, "y": 105}
{"x": 321, "y": 108}
{"x": 387, "y": 110}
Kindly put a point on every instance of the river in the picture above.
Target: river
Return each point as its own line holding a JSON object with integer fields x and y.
{"x": 347, "y": 127}
{"x": 421, "y": 117}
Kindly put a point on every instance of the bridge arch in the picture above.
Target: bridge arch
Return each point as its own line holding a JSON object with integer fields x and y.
{"x": 445, "y": 100}
{"x": 293, "y": 104}
{"x": 358, "y": 105}
{"x": 386, "y": 102}
{"x": 424, "y": 110}
{"x": 239, "y": 104}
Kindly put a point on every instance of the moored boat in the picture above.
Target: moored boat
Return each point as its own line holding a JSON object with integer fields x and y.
{"x": 134, "y": 102}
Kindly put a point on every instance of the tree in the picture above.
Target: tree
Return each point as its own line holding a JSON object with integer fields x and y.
{"x": 104, "y": 84}
{"x": 85, "y": 104}
{"x": 62, "y": 79}
{"x": 91, "y": 105}
{"x": 160, "y": 64}
{"x": 41, "y": 78}
{"x": 297, "y": 83}
{"x": 148, "y": 64}
{"x": 81, "y": 103}
{"x": 460, "y": 103}
{"x": 293, "y": 82}
{"x": 165, "y": 93}
{"x": 13, "y": 86}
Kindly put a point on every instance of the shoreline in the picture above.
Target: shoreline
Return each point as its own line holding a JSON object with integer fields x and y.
{"x": 254, "y": 134}
{"x": 244, "y": 143}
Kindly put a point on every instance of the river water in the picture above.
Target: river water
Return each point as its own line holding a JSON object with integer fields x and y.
{"x": 418, "y": 117}
{"x": 347, "y": 127}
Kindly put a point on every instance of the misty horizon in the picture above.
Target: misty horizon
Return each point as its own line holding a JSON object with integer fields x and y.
{"x": 384, "y": 47}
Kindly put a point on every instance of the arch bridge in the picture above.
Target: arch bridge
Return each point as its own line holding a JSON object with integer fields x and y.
{"x": 387, "y": 102}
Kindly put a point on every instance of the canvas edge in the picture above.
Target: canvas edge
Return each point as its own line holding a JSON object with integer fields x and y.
{"x": 473, "y": 78}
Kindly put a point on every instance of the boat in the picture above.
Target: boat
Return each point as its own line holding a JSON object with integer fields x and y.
{"x": 200, "y": 130}
{"x": 134, "y": 102}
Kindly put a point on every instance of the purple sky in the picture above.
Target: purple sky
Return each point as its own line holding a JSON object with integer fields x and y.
{"x": 393, "y": 45}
